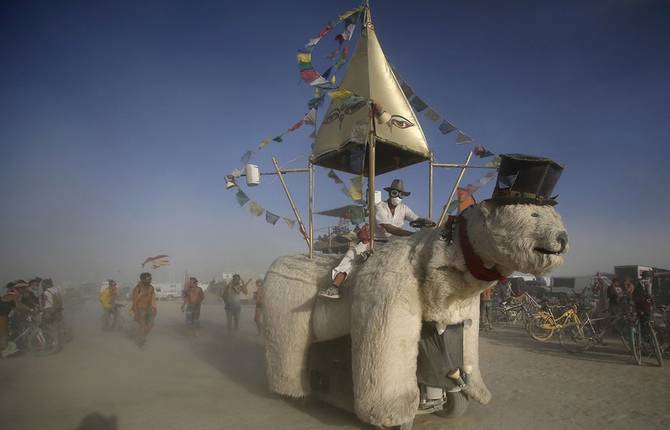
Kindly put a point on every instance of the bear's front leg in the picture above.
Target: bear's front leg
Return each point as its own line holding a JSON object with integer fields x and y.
{"x": 386, "y": 325}
{"x": 475, "y": 389}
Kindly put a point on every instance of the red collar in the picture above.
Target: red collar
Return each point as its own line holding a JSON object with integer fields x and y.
{"x": 472, "y": 261}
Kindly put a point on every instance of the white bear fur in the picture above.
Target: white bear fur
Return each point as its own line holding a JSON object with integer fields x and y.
{"x": 384, "y": 301}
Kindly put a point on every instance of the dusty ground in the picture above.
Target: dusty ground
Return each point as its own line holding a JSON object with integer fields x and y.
{"x": 217, "y": 382}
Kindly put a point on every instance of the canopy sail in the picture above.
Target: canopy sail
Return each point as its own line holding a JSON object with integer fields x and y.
{"x": 342, "y": 136}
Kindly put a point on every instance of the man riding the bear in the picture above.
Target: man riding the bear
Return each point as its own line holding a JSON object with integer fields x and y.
{"x": 390, "y": 217}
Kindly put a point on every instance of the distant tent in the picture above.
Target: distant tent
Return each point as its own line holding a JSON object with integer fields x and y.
{"x": 342, "y": 136}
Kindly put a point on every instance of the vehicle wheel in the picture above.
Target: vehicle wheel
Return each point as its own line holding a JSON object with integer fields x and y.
{"x": 540, "y": 328}
{"x": 572, "y": 338}
{"x": 456, "y": 405}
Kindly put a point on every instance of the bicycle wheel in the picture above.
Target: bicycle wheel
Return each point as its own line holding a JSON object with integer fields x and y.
{"x": 38, "y": 343}
{"x": 573, "y": 338}
{"x": 541, "y": 328}
{"x": 636, "y": 342}
{"x": 656, "y": 347}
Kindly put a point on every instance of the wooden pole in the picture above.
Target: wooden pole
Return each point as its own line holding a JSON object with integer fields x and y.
{"x": 453, "y": 190}
{"x": 291, "y": 202}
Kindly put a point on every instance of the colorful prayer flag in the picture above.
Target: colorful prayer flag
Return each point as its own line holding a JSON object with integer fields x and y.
{"x": 326, "y": 74}
{"x": 289, "y": 222}
{"x": 340, "y": 94}
{"x": 319, "y": 82}
{"x": 407, "y": 90}
{"x": 263, "y": 143}
{"x": 432, "y": 115}
{"x": 463, "y": 138}
{"x": 332, "y": 175}
{"x": 418, "y": 104}
{"x": 333, "y": 54}
{"x": 482, "y": 152}
{"x": 304, "y": 57}
{"x": 309, "y": 75}
{"x": 295, "y": 126}
{"x": 278, "y": 139}
{"x": 242, "y": 198}
{"x": 446, "y": 127}
{"x": 310, "y": 117}
{"x": 271, "y": 218}
{"x": 247, "y": 156}
{"x": 315, "y": 102}
{"x": 349, "y": 13}
{"x": 255, "y": 209}
{"x": 356, "y": 188}
{"x": 312, "y": 42}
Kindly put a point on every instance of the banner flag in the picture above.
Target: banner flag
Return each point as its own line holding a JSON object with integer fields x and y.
{"x": 407, "y": 90}
{"x": 432, "y": 115}
{"x": 247, "y": 156}
{"x": 255, "y": 208}
{"x": 446, "y": 127}
{"x": 332, "y": 175}
{"x": 289, "y": 222}
{"x": 271, "y": 218}
{"x": 463, "y": 138}
{"x": 418, "y": 104}
{"x": 242, "y": 198}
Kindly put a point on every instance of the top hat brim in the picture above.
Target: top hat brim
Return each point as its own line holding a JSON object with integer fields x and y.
{"x": 522, "y": 200}
{"x": 404, "y": 193}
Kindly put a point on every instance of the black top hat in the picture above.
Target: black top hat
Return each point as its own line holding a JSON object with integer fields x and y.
{"x": 398, "y": 185}
{"x": 526, "y": 179}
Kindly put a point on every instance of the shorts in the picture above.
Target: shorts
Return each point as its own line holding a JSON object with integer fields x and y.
{"x": 192, "y": 313}
{"x": 145, "y": 316}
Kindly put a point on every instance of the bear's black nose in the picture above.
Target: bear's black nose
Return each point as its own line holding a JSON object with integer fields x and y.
{"x": 562, "y": 238}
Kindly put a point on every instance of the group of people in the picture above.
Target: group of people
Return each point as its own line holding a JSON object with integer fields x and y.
{"x": 144, "y": 306}
{"x": 25, "y": 302}
{"x": 636, "y": 295}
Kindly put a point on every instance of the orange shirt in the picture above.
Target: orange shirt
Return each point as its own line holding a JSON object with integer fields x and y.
{"x": 144, "y": 297}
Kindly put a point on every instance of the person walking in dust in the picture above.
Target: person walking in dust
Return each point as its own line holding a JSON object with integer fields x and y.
{"x": 231, "y": 298}
{"x": 259, "y": 296}
{"x": 144, "y": 307}
{"x": 193, "y": 298}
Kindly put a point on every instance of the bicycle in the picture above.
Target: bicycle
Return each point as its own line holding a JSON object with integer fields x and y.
{"x": 543, "y": 324}
{"x": 33, "y": 338}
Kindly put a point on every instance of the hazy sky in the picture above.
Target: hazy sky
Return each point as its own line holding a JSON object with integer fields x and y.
{"x": 118, "y": 121}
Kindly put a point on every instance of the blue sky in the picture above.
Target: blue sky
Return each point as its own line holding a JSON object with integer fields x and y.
{"x": 118, "y": 121}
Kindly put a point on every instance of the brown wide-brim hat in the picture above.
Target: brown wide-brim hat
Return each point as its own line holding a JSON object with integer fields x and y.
{"x": 399, "y": 186}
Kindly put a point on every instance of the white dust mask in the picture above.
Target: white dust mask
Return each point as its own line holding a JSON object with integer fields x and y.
{"x": 395, "y": 201}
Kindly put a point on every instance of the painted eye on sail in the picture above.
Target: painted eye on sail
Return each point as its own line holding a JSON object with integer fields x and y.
{"x": 332, "y": 116}
{"x": 401, "y": 122}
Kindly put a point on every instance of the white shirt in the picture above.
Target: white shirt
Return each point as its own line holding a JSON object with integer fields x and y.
{"x": 49, "y": 297}
{"x": 383, "y": 215}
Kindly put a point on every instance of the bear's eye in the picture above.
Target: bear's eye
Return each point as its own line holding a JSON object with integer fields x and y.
{"x": 535, "y": 214}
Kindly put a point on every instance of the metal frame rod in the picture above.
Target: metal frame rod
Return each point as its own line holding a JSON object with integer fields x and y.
{"x": 371, "y": 178}
{"x": 430, "y": 186}
{"x": 453, "y": 190}
{"x": 310, "y": 214}
{"x": 283, "y": 171}
{"x": 462, "y": 166}
{"x": 290, "y": 201}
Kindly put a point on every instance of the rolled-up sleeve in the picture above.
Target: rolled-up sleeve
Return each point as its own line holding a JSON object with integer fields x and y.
{"x": 410, "y": 215}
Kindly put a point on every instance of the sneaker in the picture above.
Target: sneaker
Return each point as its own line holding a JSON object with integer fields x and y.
{"x": 330, "y": 292}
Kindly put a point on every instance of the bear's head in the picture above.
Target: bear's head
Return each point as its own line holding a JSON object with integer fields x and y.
{"x": 526, "y": 238}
